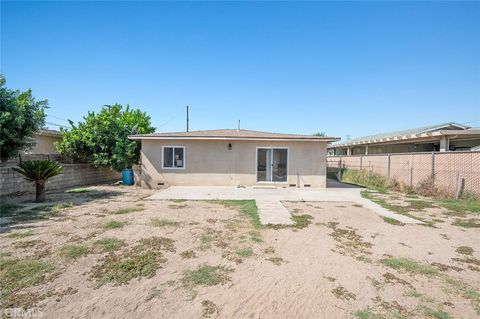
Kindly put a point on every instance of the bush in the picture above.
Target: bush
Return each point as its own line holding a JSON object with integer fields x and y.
{"x": 21, "y": 117}
{"x": 365, "y": 178}
{"x": 102, "y": 138}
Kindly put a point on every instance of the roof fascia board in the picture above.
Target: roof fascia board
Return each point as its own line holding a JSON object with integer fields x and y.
{"x": 233, "y": 138}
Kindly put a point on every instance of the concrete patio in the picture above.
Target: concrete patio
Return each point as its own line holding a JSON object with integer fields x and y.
{"x": 269, "y": 200}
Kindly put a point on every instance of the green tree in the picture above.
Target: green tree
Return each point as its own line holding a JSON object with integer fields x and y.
{"x": 21, "y": 116}
{"x": 320, "y": 134}
{"x": 102, "y": 138}
{"x": 39, "y": 172}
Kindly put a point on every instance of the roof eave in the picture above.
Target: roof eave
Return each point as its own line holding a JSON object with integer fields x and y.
{"x": 225, "y": 138}
{"x": 409, "y": 137}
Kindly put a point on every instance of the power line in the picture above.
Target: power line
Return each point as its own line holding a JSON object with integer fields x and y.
{"x": 55, "y": 124}
{"x": 56, "y": 117}
{"x": 165, "y": 123}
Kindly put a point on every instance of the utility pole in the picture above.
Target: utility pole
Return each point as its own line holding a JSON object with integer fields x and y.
{"x": 238, "y": 126}
{"x": 187, "y": 118}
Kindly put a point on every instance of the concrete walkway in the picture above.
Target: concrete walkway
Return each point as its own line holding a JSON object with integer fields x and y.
{"x": 273, "y": 212}
{"x": 269, "y": 200}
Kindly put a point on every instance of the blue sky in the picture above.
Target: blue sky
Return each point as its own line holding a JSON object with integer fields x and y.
{"x": 346, "y": 68}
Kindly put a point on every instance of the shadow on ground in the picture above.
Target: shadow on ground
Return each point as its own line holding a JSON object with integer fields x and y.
{"x": 21, "y": 211}
{"x": 332, "y": 183}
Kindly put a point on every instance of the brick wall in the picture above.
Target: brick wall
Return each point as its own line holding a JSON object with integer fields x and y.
{"x": 73, "y": 175}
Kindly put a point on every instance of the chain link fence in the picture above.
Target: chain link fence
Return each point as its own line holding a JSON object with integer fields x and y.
{"x": 450, "y": 172}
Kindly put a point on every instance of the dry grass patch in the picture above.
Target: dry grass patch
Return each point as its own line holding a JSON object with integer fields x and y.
{"x": 110, "y": 244}
{"x": 177, "y": 206}
{"x": 206, "y": 275}
{"x": 434, "y": 313}
{"x": 20, "y": 234}
{"x": 275, "y": 260}
{"x": 73, "y": 252}
{"x": 468, "y": 260}
{"x": 244, "y": 252}
{"x": 393, "y": 221}
{"x": 188, "y": 254}
{"x": 114, "y": 224}
{"x": 348, "y": 240}
{"x": 17, "y": 274}
{"x": 465, "y": 250}
{"x": 247, "y": 208}
{"x": 28, "y": 244}
{"x": 142, "y": 260}
{"x": 467, "y": 223}
{"x": 390, "y": 278}
{"x": 466, "y": 291}
{"x": 217, "y": 238}
{"x": 300, "y": 221}
{"x": 341, "y": 293}
{"x": 127, "y": 210}
{"x": 409, "y": 265}
{"x": 209, "y": 309}
{"x": 163, "y": 222}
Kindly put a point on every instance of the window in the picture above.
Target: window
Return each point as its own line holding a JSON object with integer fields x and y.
{"x": 173, "y": 157}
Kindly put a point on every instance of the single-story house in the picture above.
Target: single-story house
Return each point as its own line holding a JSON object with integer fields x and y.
{"x": 232, "y": 157}
{"x": 434, "y": 138}
{"x": 44, "y": 142}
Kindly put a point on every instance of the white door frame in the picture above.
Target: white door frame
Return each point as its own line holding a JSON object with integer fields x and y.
{"x": 271, "y": 176}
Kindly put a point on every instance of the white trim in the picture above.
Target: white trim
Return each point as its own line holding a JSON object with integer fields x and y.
{"x": 256, "y": 163}
{"x": 174, "y": 147}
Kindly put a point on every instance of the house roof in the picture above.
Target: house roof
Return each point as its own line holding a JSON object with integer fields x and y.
{"x": 420, "y": 132}
{"x": 47, "y": 132}
{"x": 232, "y": 134}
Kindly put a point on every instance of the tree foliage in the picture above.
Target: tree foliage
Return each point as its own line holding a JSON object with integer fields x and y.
{"x": 320, "y": 134}
{"x": 21, "y": 116}
{"x": 102, "y": 138}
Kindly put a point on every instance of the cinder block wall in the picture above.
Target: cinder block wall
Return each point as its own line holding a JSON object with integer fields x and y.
{"x": 73, "y": 175}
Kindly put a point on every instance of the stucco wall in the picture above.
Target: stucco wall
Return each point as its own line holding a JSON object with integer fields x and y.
{"x": 44, "y": 145}
{"x": 212, "y": 163}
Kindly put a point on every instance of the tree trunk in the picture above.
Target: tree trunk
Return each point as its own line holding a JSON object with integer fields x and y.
{"x": 40, "y": 191}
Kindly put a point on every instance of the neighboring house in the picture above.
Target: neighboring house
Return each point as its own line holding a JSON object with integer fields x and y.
{"x": 232, "y": 157}
{"x": 440, "y": 138}
{"x": 44, "y": 142}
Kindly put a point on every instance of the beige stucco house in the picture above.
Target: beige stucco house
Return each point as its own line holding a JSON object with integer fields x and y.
{"x": 45, "y": 142}
{"x": 232, "y": 157}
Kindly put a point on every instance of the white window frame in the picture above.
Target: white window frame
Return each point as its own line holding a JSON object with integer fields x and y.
{"x": 174, "y": 147}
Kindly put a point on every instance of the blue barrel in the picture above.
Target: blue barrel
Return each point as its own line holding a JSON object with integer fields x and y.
{"x": 127, "y": 176}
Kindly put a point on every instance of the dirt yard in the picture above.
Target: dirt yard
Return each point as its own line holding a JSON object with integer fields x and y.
{"x": 107, "y": 252}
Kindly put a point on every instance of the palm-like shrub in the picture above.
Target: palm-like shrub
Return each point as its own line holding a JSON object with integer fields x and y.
{"x": 39, "y": 172}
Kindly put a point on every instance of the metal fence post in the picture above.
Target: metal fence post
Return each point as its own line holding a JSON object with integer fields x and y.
{"x": 433, "y": 168}
{"x": 409, "y": 173}
{"x": 388, "y": 165}
{"x": 361, "y": 160}
{"x": 369, "y": 169}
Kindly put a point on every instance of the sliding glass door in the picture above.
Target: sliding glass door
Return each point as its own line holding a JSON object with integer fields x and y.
{"x": 272, "y": 164}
